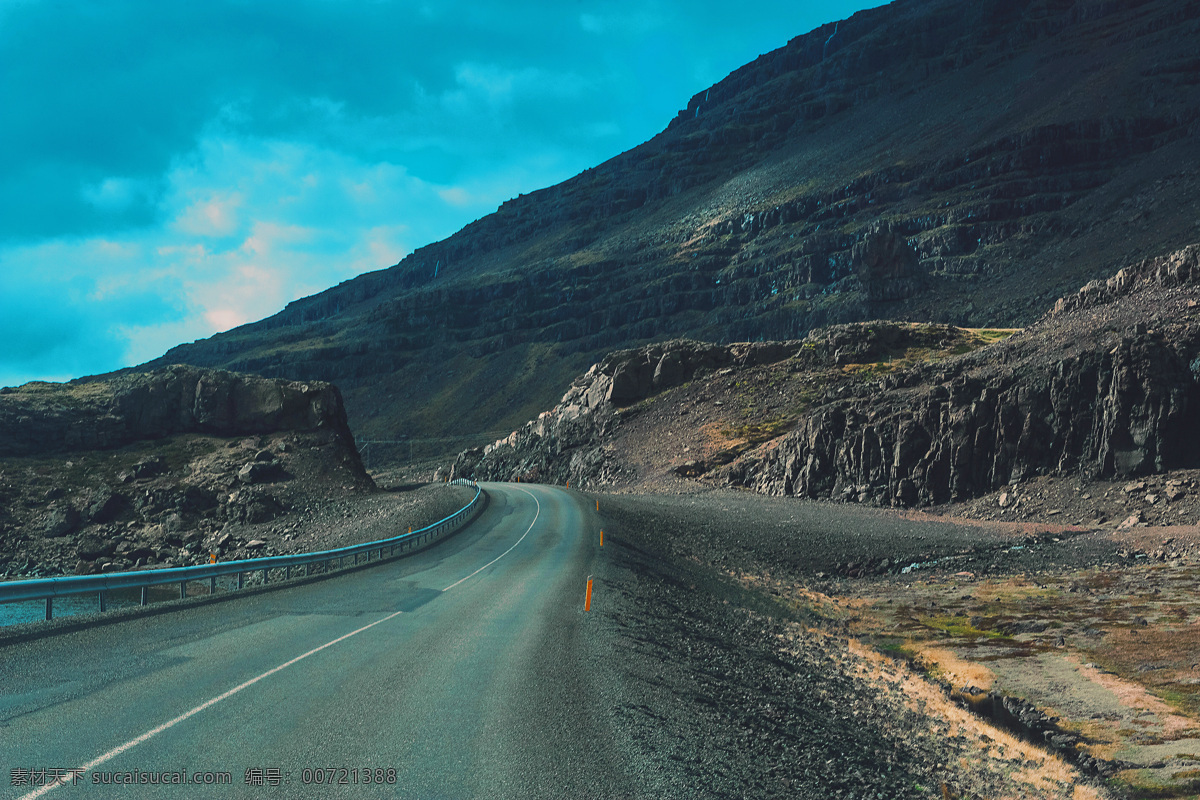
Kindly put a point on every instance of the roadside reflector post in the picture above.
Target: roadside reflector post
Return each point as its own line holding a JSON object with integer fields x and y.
{"x": 587, "y": 600}
{"x": 212, "y": 558}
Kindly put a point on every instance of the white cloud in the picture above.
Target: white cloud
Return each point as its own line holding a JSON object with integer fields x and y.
{"x": 627, "y": 22}
{"x": 491, "y": 86}
{"x": 456, "y": 196}
{"x": 253, "y": 225}
{"x": 213, "y": 216}
{"x": 113, "y": 194}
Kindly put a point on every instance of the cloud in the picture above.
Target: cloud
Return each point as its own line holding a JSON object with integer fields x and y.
{"x": 114, "y": 195}
{"x": 170, "y": 169}
{"x": 254, "y": 224}
{"x": 211, "y": 216}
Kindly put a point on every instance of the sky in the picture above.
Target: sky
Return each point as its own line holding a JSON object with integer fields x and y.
{"x": 169, "y": 170}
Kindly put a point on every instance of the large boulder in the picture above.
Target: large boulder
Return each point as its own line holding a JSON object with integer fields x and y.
{"x": 119, "y": 410}
{"x": 61, "y": 520}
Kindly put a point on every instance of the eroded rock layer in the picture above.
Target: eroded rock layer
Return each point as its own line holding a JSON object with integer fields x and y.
{"x": 1105, "y": 385}
{"x": 40, "y": 418}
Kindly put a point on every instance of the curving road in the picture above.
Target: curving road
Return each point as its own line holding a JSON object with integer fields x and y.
{"x": 466, "y": 668}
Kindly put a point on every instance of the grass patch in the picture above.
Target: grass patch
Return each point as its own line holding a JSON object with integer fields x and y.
{"x": 923, "y": 344}
{"x": 960, "y": 626}
{"x": 759, "y": 432}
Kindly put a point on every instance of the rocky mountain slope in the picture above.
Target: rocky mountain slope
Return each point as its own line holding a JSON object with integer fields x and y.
{"x": 936, "y": 160}
{"x": 166, "y": 468}
{"x": 1104, "y": 386}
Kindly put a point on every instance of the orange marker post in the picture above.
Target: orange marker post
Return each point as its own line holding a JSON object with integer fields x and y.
{"x": 602, "y": 538}
{"x": 597, "y": 505}
{"x": 587, "y": 600}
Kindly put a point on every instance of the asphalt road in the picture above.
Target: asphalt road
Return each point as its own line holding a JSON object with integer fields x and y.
{"x": 465, "y": 669}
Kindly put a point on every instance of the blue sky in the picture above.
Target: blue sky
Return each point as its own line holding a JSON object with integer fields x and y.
{"x": 169, "y": 170}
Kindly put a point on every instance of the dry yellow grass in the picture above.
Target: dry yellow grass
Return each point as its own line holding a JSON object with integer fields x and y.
{"x": 1032, "y": 771}
{"x": 947, "y": 666}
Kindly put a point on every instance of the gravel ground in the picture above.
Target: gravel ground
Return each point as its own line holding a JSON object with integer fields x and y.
{"x": 727, "y": 692}
{"x": 743, "y": 532}
{"x": 357, "y": 519}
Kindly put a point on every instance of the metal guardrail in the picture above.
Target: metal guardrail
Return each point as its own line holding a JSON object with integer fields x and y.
{"x": 49, "y": 588}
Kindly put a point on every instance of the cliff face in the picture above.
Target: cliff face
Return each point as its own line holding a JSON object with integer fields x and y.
{"x": 960, "y": 162}
{"x": 166, "y": 468}
{"x": 571, "y": 442}
{"x": 41, "y": 418}
{"x": 1105, "y": 385}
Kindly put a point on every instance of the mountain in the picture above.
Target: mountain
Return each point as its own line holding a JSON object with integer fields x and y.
{"x": 950, "y": 161}
{"x": 1104, "y": 386}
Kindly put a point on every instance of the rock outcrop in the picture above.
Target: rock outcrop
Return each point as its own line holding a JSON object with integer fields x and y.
{"x": 1105, "y": 385}
{"x": 40, "y": 418}
{"x": 166, "y": 468}
{"x": 569, "y": 442}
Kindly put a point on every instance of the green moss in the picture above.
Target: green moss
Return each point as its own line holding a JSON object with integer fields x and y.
{"x": 757, "y": 433}
{"x": 960, "y": 626}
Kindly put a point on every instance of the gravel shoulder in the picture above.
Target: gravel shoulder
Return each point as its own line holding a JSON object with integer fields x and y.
{"x": 358, "y": 519}
{"x": 728, "y": 612}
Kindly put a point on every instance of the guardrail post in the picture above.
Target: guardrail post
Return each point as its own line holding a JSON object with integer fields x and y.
{"x": 264, "y": 576}
{"x": 182, "y": 589}
{"x": 287, "y": 572}
{"x": 144, "y": 588}
{"x": 212, "y": 585}
{"x": 49, "y": 607}
{"x": 100, "y": 600}
{"x": 241, "y": 579}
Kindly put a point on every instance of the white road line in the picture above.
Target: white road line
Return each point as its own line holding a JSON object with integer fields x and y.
{"x": 116, "y": 751}
{"x": 509, "y": 550}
